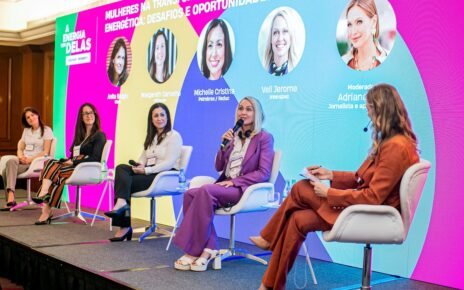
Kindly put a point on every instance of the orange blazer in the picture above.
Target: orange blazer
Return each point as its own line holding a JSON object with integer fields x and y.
{"x": 377, "y": 181}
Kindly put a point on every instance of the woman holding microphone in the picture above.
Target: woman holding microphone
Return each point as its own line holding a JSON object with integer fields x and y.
{"x": 245, "y": 160}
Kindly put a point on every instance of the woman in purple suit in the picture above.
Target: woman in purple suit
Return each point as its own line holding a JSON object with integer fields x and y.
{"x": 246, "y": 160}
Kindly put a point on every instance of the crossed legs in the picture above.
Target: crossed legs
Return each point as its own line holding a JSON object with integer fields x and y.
{"x": 287, "y": 230}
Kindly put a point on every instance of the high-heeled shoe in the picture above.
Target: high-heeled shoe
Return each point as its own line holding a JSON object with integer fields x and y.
{"x": 118, "y": 212}
{"x": 260, "y": 242}
{"x": 8, "y": 206}
{"x": 201, "y": 264}
{"x": 127, "y": 235}
{"x": 184, "y": 263}
{"x": 44, "y": 222}
{"x": 41, "y": 199}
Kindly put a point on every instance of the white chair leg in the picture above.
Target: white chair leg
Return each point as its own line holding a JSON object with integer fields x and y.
{"x": 152, "y": 226}
{"x": 310, "y": 265}
{"x": 175, "y": 228}
{"x": 81, "y": 214}
{"x": 63, "y": 216}
{"x": 80, "y": 217}
{"x": 99, "y": 202}
{"x": 67, "y": 207}
{"x": 29, "y": 198}
{"x": 110, "y": 200}
{"x": 233, "y": 252}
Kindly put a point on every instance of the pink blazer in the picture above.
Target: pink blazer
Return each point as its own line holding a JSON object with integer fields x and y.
{"x": 256, "y": 165}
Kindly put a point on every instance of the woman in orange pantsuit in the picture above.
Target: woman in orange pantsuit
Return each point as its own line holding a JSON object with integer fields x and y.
{"x": 313, "y": 206}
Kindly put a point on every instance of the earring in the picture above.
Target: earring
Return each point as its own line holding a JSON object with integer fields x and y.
{"x": 373, "y": 31}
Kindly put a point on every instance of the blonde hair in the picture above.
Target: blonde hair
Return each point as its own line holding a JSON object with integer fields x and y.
{"x": 259, "y": 114}
{"x": 389, "y": 115}
{"x": 369, "y": 7}
{"x": 268, "y": 53}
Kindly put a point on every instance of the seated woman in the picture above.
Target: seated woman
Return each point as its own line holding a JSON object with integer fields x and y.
{"x": 87, "y": 146}
{"x": 246, "y": 160}
{"x": 313, "y": 206}
{"x": 35, "y": 142}
{"x": 161, "y": 152}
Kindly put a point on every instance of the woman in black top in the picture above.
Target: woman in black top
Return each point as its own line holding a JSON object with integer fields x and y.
{"x": 87, "y": 146}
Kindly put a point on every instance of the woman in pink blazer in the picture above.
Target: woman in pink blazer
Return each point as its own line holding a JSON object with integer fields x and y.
{"x": 246, "y": 160}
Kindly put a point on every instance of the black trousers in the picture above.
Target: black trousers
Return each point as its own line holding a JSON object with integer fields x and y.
{"x": 127, "y": 182}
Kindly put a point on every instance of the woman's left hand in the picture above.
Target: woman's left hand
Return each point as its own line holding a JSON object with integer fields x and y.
{"x": 320, "y": 189}
{"x": 226, "y": 183}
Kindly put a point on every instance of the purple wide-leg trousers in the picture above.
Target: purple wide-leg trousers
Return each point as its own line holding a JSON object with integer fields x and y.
{"x": 196, "y": 231}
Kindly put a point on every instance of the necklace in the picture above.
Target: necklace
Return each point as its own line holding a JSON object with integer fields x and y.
{"x": 365, "y": 66}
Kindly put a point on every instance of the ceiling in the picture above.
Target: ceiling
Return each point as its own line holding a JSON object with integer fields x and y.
{"x": 24, "y": 22}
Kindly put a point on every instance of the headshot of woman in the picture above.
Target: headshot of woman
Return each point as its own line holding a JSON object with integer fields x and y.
{"x": 246, "y": 160}
{"x": 161, "y": 152}
{"x": 159, "y": 63}
{"x": 217, "y": 49}
{"x": 313, "y": 206}
{"x": 117, "y": 67}
{"x": 87, "y": 146}
{"x": 283, "y": 32}
{"x": 362, "y": 33}
{"x": 35, "y": 142}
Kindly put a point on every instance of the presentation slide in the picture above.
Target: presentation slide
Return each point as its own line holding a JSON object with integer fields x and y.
{"x": 305, "y": 61}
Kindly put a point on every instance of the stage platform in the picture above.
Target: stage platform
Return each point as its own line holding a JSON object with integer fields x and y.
{"x": 68, "y": 255}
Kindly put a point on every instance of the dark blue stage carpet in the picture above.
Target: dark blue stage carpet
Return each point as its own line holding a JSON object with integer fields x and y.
{"x": 148, "y": 265}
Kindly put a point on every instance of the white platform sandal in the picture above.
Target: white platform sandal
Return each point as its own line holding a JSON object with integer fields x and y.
{"x": 201, "y": 264}
{"x": 184, "y": 263}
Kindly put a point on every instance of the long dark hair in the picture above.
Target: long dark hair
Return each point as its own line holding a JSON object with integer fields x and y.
{"x": 389, "y": 115}
{"x": 151, "y": 129}
{"x": 80, "y": 131}
{"x": 166, "y": 75}
{"x": 26, "y": 124}
{"x": 123, "y": 76}
{"x": 227, "y": 47}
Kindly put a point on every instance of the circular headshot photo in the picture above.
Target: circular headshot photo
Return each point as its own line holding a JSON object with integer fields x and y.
{"x": 366, "y": 33}
{"x": 119, "y": 61}
{"x": 281, "y": 41}
{"x": 162, "y": 55}
{"x": 215, "y": 49}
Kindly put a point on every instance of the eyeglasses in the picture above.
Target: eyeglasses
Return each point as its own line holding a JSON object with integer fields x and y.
{"x": 86, "y": 114}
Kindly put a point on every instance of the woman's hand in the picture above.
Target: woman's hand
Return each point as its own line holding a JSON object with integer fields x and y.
{"x": 225, "y": 183}
{"x": 228, "y": 135}
{"x": 25, "y": 160}
{"x": 320, "y": 189}
{"x": 140, "y": 169}
{"x": 22, "y": 160}
{"x": 319, "y": 172}
{"x": 67, "y": 162}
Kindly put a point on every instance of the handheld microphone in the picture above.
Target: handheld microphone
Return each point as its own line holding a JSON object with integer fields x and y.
{"x": 133, "y": 163}
{"x": 237, "y": 126}
{"x": 367, "y": 126}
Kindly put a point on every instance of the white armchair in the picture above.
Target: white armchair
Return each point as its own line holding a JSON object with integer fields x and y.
{"x": 254, "y": 199}
{"x": 166, "y": 183}
{"x": 381, "y": 224}
{"x": 86, "y": 173}
{"x": 34, "y": 172}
